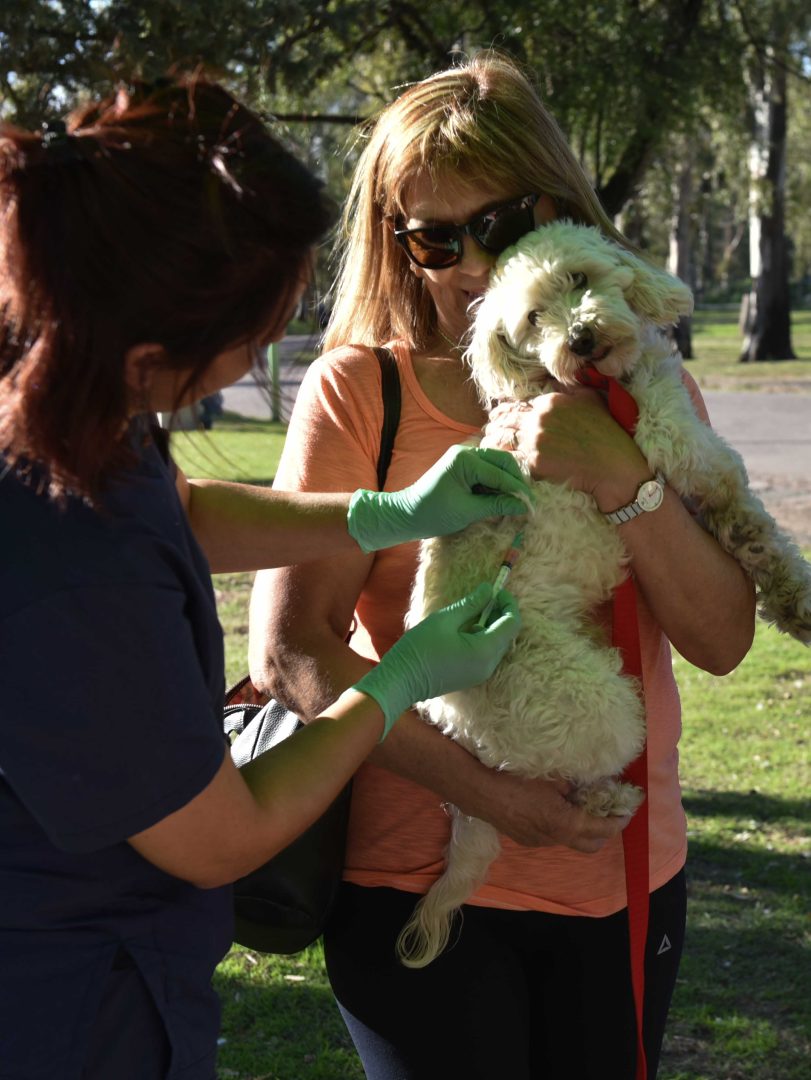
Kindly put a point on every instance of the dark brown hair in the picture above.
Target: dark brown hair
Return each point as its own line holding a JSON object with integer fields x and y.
{"x": 165, "y": 213}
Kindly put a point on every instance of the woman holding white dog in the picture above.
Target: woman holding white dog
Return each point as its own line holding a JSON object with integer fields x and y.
{"x": 536, "y": 981}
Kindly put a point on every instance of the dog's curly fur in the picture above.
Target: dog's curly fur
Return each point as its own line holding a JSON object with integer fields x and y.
{"x": 558, "y": 705}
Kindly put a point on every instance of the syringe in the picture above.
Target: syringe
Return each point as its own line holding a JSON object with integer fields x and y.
{"x": 504, "y": 571}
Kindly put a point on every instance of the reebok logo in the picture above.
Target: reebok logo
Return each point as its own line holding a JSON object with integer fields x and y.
{"x": 665, "y": 946}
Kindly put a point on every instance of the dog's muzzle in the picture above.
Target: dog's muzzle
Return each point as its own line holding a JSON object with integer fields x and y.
{"x": 581, "y": 340}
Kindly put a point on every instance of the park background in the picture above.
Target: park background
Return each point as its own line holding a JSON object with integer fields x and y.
{"x": 693, "y": 118}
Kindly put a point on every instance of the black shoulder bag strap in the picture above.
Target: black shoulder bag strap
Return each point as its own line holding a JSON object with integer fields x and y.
{"x": 390, "y": 378}
{"x": 242, "y": 692}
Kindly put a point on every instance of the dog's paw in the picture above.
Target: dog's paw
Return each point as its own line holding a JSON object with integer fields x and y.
{"x": 791, "y": 615}
{"x": 608, "y": 798}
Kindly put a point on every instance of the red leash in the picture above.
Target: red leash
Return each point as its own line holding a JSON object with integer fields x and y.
{"x": 625, "y": 637}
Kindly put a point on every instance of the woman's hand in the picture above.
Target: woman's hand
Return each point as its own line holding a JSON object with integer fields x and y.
{"x": 466, "y": 484}
{"x": 538, "y": 813}
{"x": 570, "y": 437}
{"x": 696, "y": 592}
{"x": 443, "y": 653}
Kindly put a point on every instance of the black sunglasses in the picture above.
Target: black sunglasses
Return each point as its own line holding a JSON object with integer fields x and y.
{"x": 437, "y": 247}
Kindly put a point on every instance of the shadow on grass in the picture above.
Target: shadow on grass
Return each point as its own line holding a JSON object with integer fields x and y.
{"x": 745, "y": 804}
{"x": 230, "y": 421}
{"x": 751, "y": 838}
{"x": 742, "y": 1006}
{"x": 275, "y": 1030}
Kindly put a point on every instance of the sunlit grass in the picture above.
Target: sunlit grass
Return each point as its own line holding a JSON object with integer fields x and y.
{"x": 717, "y": 345}
{"x": 237, "y": 448}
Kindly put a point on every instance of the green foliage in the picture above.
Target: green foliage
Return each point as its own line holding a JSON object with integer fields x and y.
{"x": 343, "y": 58}
{"x": 798, "y": 196}
{"x": 320, "y": 66}
{"x": 72, "y": 45}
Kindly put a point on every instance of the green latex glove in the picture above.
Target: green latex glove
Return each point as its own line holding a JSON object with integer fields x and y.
{"x": 442, "y": 501}
{"x": 443, "y": 653}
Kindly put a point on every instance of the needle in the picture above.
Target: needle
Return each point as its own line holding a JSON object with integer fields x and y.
{"x": 504, "y": 571}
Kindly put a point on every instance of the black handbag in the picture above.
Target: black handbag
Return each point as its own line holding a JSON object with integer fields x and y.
{"x": 283, "y": 906}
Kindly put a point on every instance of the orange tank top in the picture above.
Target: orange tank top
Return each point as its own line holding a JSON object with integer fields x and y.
{"x": 398, "y": 830}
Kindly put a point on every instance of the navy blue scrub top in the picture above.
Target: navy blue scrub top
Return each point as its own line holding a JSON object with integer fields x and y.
{"x": 111, "y": 667}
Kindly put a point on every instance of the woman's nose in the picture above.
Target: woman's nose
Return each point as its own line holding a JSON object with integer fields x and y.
{"x": 475, "y": 261}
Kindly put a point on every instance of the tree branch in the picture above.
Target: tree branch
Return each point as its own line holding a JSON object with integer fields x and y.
{"x": 677, "y": 34}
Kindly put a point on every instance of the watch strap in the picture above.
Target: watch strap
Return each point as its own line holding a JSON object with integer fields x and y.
{"x": 633, "y": 509}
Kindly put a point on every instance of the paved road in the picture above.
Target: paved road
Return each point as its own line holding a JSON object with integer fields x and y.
{"x": 771, "y": 431}
{"x": 246, "y": 399}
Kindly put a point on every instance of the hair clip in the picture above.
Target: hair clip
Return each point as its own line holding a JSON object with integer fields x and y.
{"x": 59, "y": 145}
{"x": 53, "y": 131}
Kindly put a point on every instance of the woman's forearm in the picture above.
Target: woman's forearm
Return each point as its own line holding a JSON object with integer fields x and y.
{"x": 296, "y": 781}
{"x": 246, "y": 527}
{"x": 697, "y": 593}
{"x": 242, "y": 819}
{"x": 534, "y": 813}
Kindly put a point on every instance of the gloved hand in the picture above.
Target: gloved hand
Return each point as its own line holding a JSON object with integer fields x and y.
{"x": 442, "y": 501}
{"x": 442, "y": 653}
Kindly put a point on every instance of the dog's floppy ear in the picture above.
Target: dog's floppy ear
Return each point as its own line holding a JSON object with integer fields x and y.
{"x": 490, "y": 356}
{"x": 655, "y": 293}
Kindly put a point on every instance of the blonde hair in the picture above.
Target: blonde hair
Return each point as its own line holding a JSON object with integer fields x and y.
{"x": 479, "y": 123}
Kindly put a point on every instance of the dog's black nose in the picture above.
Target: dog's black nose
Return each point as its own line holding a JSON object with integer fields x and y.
{"x": 581, "y": 340}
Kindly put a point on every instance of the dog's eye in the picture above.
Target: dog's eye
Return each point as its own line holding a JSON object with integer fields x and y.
{"x": 579, "y": 280}
{"x": 536, "y": 316}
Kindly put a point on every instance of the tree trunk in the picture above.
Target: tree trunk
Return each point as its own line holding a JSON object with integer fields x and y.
{"x": 679, "y": 30}
{"x": 679, "y": 261}
{"x": 765, "y": 310}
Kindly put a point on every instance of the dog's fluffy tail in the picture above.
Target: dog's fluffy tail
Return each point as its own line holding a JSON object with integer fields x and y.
{"x": 473, "y": 846}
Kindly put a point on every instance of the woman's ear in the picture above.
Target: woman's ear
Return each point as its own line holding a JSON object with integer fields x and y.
{"x": 545, "y": 210}
{"x": 141, "y": 366}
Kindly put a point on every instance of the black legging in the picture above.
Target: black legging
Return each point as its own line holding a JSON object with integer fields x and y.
{"x": 520, "y": 995}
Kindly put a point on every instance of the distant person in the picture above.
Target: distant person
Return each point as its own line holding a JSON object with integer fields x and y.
{"x": 211, "y": 406}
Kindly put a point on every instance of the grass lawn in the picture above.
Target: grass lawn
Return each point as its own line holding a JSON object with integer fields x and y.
{"x": 742, "y": 1009}
{"x": 717, "y": 341}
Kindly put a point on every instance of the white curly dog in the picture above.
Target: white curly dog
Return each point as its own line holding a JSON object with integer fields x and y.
{"x": 563, "y": 297}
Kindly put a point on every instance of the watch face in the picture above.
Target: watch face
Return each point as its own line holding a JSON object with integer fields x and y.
{"x": 650, "y": 495}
